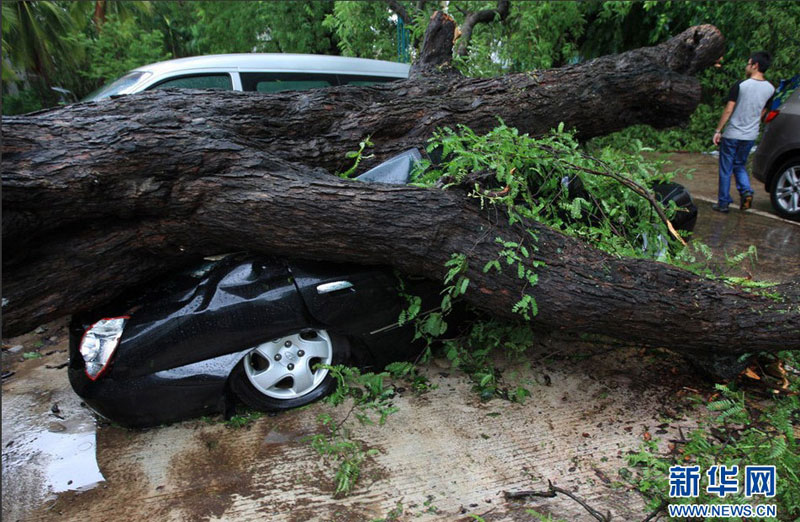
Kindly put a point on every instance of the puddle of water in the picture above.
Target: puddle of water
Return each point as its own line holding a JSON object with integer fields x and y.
{"x": 44, "y": 455}
{"x": 66, "y": 461}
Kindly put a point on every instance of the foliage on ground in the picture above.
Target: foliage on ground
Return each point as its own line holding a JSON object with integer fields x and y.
{"x": 243, "y": 419}
{"x": 370, "y": 398}
{"x": 555, "y": 181}
{"x": 739, "y": 428}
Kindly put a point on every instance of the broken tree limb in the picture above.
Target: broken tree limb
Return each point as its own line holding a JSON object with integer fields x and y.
{"x": 479, "y": 17}
{"x": 437, "y": 47}
{"x": 552, "y": 492}
{"x": 101, "y": 197}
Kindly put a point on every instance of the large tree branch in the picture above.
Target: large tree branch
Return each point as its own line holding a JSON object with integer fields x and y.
{"x": 317, "y": 127}
{"x": 479, "y": 17}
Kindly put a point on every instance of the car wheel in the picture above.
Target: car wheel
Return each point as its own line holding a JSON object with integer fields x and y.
{"x": 785, "y": 190}
{"x": 282, "y": 373}
{"x": 686, "y": 216}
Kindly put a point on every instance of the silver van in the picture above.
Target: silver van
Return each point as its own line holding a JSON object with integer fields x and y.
{"x": 253, "y": 72}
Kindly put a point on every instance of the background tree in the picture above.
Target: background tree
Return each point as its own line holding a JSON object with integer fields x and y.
{"x": 100, "y": 9}
{"x": 9, "y": 22}
{"x": 122, "y": 45}
{"x": 230, "y": 27}
{"x": 364, "y": 29}
{"x": 36, "y": 43}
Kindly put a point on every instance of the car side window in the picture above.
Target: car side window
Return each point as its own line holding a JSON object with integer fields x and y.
{"x": 277, "y": 82}
{"x": 197, "y": 81}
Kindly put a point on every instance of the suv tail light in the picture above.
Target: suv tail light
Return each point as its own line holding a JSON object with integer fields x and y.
{"x": 771, "y": 116}
{"x": 99, "y": 343}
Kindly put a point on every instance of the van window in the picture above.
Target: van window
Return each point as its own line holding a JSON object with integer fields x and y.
{"x": 117, "y": 86}
{"x": 197, "y": 81}
{"x": 351, "y": 79}
{"x": 276, "y": 82}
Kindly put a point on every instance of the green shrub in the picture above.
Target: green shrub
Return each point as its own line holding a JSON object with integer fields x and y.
{"x": 27, "y": 100}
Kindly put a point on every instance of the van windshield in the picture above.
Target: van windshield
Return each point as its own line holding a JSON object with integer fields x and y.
{"x": 117, "y": 86}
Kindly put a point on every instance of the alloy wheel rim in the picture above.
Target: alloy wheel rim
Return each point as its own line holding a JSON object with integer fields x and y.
{"x": 787, "y": 190}
{"x": 284, "y": 368}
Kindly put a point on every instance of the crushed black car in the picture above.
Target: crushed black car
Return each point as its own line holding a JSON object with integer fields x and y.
{"x": 254, "y": 327}
{"x": 257, "y": 329}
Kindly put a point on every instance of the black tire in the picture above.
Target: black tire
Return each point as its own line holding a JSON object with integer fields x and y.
{"x": 246, "y": 391}
{"x": 686, "y": 216}
{"x": 779, "y": 182}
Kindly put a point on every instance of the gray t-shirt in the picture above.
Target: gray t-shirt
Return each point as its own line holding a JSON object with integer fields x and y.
{"x": 751, "y": 96}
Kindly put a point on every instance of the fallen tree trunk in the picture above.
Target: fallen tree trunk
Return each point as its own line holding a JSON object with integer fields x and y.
{"x": 101, "y": 197}
{"x": 274, "y": 207}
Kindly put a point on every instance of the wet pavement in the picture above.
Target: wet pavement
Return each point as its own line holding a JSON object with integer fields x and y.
{"x": 777, "y": 240}
{"x": 442, "y": 456}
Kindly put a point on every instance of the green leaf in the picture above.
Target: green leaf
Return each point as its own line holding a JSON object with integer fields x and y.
{"x": 464, "y": 284}
{"x": 491, "y": 264}
{"x": 446, "y": 302}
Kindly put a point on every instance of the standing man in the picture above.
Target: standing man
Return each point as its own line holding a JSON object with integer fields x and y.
{"x": 747, "y": 104}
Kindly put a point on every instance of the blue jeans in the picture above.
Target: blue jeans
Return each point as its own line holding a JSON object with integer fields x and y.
{"x": 732, "y": 157}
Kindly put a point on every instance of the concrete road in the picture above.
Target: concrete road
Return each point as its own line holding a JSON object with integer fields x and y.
{"x": 443, "y": 456}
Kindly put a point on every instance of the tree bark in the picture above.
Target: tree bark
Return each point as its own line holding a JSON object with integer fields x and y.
{"x": 437, "y": 48}
{"x": 101, "y": 197}
{"x": 136, "y": 225}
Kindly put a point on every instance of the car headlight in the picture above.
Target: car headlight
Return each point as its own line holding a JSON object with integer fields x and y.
{"x": 99, "y": 343}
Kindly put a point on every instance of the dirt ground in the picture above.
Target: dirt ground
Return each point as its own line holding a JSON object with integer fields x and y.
{"x": 444, "y": 455}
